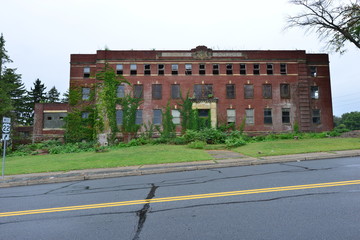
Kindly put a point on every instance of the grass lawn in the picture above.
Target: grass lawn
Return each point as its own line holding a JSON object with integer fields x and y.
{"x": 284, "y": 147}
{"x": 148, "y": 154}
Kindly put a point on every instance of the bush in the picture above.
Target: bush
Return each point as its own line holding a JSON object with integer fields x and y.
{"x": 233, "y": 142}
{"x": 213, "y": 136}
{"x": 192, "y": 136}
{"x": 197, "y": 145}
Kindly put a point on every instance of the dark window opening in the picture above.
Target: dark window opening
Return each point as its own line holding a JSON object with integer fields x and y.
{"x": 229, "y": 69}
{"x": 161, "y": 69}
{"x": 270, "y": 69}
{"x": 86, "y": 72}
{"x": 230, "y": 91}
{"x": 314, "y": 92}
{"x": 157, "y": 91}
{"x": 248, "y": 91}
{"x": 119, "y": 69}
{"x": 283, "y": 70}
{"x": 316, "y": 116}
{"x": 286, "y": 115}
{"x": 174, "y": 69}
{"x": 285, "y": 90}
{"x": 133, "y": 69}
{"x": 216, "y": 69}
{"x": 256, "y": 70}
{"x": 267, "y": 116}
{"x": 175, "y": 91}
{"x": 61, "y": 118}
{"x": 147, "y": 69}
{"x": 188, "y": 69}
{"x": 313, "y": 71}
{"x": 267, "y": 92}
{"x": 138, "y": 91}
{"x": 202, "y": 69}
{"x": 203, "y": 113}
{"x": 242, "y": 68}
{"x": 49, "y": 118}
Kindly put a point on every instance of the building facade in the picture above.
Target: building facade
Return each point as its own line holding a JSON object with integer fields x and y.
{"x": 271, "y": 91}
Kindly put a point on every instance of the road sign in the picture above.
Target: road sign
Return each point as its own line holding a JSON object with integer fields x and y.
{"x": 6, "y": 136}
{"x": 6, "y": 127}
{"x": 6, "y": 120}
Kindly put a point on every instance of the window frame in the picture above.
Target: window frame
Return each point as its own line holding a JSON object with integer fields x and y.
{"x": 85, "y": 93}
{"x": 270, "y": 69}
{"x": 283, "y": 69}
{"x": 268, "y": 117}
{"x": 231, "y": 118}
{"x": 175, "y": 91}
{"x": 120, "y": 91}
{"x": 133, "y": 69}
{"x": 256, "y": 69}
{"x": 157, "y": 117}
{"x": 176, "y": 116}
{"x": 285, "y": 115}
{"x": 285, "y": 92}
{"x": 119, "y": 69}
{"x": 86, "y": 72}
{"x": 242, "y": 68}
{"x": 202, "y": 69}
{"x": 174, "y": 69}
{"x": 156, "y": 91}
{"x": 161, "y": 71}
{"x": 216, "y": 69}
{"x": 139, "y": 117}
{"x": 267, "y": 91}
{"x": 147, "y": 69}
{"x": 315, "y": 92}
{"x": 316, "y": 116}
{"x": 247, "y": 93}
{"x": 249, "y": 118}
{"x": 188, "y": 69}
{"x": 229, "y": 69}
{"x": 230, "y": 91}
{"x": 137, "y": 88}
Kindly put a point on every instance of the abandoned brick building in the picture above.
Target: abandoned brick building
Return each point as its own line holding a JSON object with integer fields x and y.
{"x": 270, "y": 90}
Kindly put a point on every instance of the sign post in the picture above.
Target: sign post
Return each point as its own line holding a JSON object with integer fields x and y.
{"x": 6, "y": 127}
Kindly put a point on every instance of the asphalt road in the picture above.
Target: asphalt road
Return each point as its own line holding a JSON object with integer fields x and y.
{"x": 296, "y": 200}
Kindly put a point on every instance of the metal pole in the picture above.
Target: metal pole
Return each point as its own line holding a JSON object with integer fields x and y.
{"x": 3, "y": 162}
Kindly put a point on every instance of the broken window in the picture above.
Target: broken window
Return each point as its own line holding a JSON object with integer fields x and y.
{"x": 285, "y": 90}
{"x": 85, "y": 115}
{"x": 133, "y": 69}
{"x": 176, "y": 116}
{"x": 161, "y": 69}
{"x": 188, "y": 69}
{"x": 285, "y": 115}
{"x": 85, "y": 93}
{"x": 283, "y": 69}
{"x": 202, "y": 69}
{"x": 203, "y": 91}
{"x": 231, "y": 115}
{"x": 229, "y": 69}
{"x": 86, "y": 72}
{"x": 156, "y": 91}
{"x": 230, "y": 91}
{"x": 267, "y": 116}
{"x": 147, "y": 69}
{"x": 157, "y": 116}
{"x": 269, "y": 69}
{"x": 256, "y": 70}
{"x": 316, "y": 116}
{"x": 313, "y": 71}
{"x": 266, "y": 91}
{"x": 119, "y": 69}
{"x": 175, "y": 91}
{"x": 203, "y": 113}
{"x": 139, "y": 119}
{"x": 242, "y": 68}
{"x": 314, "y": 92}
{"x": 119, "y": 117}
{"x": 248, "y": 91}
{"x": 174, "y": 69}
{"x": 216, "y": 69}
{"x": 138, "y": 91}
{"x": 49, "y": 118}
{"x": 249, "y": 113}
{"x": 120, "y": 91}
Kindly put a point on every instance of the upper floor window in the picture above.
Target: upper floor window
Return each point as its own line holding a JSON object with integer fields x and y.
{"x": 138, "y": 91}
{"x": 267, "y": 91}
{"x": 229, "y": 69}
{"x": 175, "y": 91}
{"x": 248, "y": 91}
{"x": 313, "y": 71}
{"x": 85, "y": 93}
{"x": 147, "y": 69}
{"x": 86, "y": 72}
{"x": 202, "y": 69}
{"x": 242, "y": 68}
{"x": 216, "y": 69}
{"x": 314, "y": 92}
{"x": 161, "y": 69}
{"x": 188, "y": 69}
{"x": 133, "y": 69}
{"x": 174, "y": 69}
{"x": 120, "y": 91}
{"x": 230, "y": 91}
{"x": 267, "y": 116}
{"x": 157, "y": 91}
{"x": 285, "y": 90}
{"x": 119, "y": 69}
{"x": 283, "y": 69}
{"x": 202, "y": 91}
{"x": 270, "y": 69}
{"x": 256, "y": 69}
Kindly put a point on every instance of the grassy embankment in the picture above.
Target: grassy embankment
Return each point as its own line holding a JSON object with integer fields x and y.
{"x": 157, "y": 154}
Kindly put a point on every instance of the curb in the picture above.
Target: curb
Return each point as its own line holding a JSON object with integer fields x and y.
{"x": 93, "y": 174}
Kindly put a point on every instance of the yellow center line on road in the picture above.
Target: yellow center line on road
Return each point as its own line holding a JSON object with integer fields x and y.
{"x": 180, "y": 198}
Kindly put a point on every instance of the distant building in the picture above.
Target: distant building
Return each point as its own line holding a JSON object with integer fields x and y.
{"x": 270, "y": 90}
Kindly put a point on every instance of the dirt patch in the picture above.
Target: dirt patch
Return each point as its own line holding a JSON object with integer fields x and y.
{"x": 351, "y": 134}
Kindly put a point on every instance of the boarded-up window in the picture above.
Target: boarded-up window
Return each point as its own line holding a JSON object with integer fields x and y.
{"x": 230, "y": 91}
{"x": 285, "y": 90}
{"x": 266, "y": 90}
{"x": 119, "y": 117}
{"x": 231, "y": 115}
{"x": 157, "y": 91}
{"x": 248, "y": 91}
{"x": 249, "y": 116}
{"x": 267, "y": 116}
{"x": 285, "y": 115}
{"x": 175, "y": 91}
{"x": 176, "y": 116}
{"x": 157, "y": 116}
{"x": 138, "y": 91}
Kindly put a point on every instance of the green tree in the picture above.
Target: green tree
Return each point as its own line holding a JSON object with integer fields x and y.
{"x": 336, "y": 24}
{"x": 168, "y": 126}
{"x": 53, "y": 95}
{"x": 351, "y": 120}
{"x": 65, "y": 97}
{"x": 36, "y": 95}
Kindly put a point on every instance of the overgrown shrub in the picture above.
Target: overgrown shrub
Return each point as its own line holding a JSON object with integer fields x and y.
{"x": 233, "y": 142}
{"x": 213, "y": 136}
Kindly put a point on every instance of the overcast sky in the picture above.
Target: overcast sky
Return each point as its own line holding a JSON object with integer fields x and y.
{"x": 41, "y": 34}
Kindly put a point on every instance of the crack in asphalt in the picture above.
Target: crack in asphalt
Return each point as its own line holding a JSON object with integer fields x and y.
{"x": 142, "y": 213}
{"x": 306, "y": 168}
